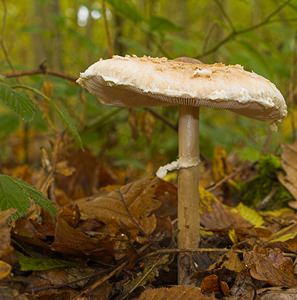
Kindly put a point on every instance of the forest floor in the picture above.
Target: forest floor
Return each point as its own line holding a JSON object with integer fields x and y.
{"x": 113, "y": 237}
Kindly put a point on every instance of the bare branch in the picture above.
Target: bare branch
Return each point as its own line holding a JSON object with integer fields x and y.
{"x": 161, "y": 118}
{"x": 229, "y": 21}
{"x": 2, "y": 42}
{"x": 235, "y": 33}
{"x": 40, "y": 71}
{"x": 107, "y": 32}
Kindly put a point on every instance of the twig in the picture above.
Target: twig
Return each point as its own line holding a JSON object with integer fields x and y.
{"x": 214, "y": 186}
{"x": 67, "y": 284}
{"x": 190, "y": 250}
{"x": 229, "y": 21}
{"x": 207, "y": 38}
{"x": 160, "y": 117}
{"x": 235, "y": 33}
{"x": 201, "y": 250}
{"x": 262, "y": 205}
{"x": 107, "y": 32}
{"x": 142, "y": 279}
{"x": 40, "y": 71}
{"x": 2, "y": 41}
{"x": 104, "y": 278}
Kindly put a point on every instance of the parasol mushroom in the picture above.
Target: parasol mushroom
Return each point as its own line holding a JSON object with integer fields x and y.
{"x": 145, "y": 81}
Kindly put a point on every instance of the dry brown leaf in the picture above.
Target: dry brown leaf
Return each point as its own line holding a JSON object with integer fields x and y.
{"x": 83, "y": 181}
{"x": 5, "y": 269}
{"x": 5, "y": 247}
{"x": 271, "y": 266}
{"x": 73, "y": 241}
{"x": 243, "y": 287}
{"x": 277, "y": 294}
{"x": 232, "y": 262}
{"x": 131, "y": 206}
{"x": 289, "y": 164}
{"x": 212, "y": 284}
{"x": 175, "y": 293}
{"x": 217, "y": 216}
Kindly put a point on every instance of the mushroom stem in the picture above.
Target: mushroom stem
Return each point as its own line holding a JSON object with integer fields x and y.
{"x": 188, "y": 193}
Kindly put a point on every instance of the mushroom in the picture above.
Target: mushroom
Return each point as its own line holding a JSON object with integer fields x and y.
{"x": 146, "y": 81}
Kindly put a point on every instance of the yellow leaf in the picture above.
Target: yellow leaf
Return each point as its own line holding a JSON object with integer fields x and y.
{"x": 285, "y": 234}
{"x": 232, "y": 236}
{"x": 277, "y": 213}
{"x": 249, "y": 214}
{"x": 5, "y": 269}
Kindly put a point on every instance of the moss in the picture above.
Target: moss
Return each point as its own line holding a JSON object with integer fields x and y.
{"x": 264, "y": 183}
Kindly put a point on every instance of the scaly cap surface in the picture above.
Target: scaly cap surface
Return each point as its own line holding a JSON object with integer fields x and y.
{"x": 145, "y": 81}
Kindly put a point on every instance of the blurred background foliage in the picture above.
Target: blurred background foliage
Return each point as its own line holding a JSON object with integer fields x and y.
{"x": 63, "y": 38}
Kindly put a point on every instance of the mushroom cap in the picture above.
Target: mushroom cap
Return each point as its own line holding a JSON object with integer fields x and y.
{"x": 146, "y": 81}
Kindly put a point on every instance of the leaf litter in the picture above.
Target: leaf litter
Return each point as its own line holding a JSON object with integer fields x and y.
{"x": 114, "y": 240}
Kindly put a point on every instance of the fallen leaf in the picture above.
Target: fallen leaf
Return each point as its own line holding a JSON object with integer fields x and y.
{"x": 217, "y": 216}
{"x": 131, "y": 206}
{"x": 73, "y": 241}
{"x": 177, "y": 292}
{"x": 275, "y": 293}
{"x": 150, "y": 273}
{"x": 249, "y": 214}
{"x": 212, "y": 284}
{"x": 285, "y": 234}
{"x": 289, "y": 163}
{"x": 5, "y": 247}
{"x": 232, "y": 262}
{"x": 41, "y": 263}
{"x": 5, "y": 269}
{"x": 243, "y": 287}
{"x": 271, "y": 266}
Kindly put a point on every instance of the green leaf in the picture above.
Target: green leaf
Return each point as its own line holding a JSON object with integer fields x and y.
{"x": 62, "y": 112}
{"x": 8, "y": 124}
{"x": 18, "y": 102}
{"x": 162, "y": 25}
{"x": 127, "y": 9}
{"x": 42, "y": 263}
{"x": 15, "y": 193}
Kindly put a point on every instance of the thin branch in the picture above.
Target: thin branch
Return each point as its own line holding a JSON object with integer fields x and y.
{"x": 202, "y": 250}
{"x": 107, "y": 32}
{"x": 161, "y": 118}
{"x": 189, "y": 250}
{"x": 40, "y": 71}
{"x": 222, "y": 181}
{"x": 235, "y": 33}
{"x": 103, "y": 279}
{"x": 2, "y": 42}
{"x": 208, "y": 35}
{"x": 229, "y": 21}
